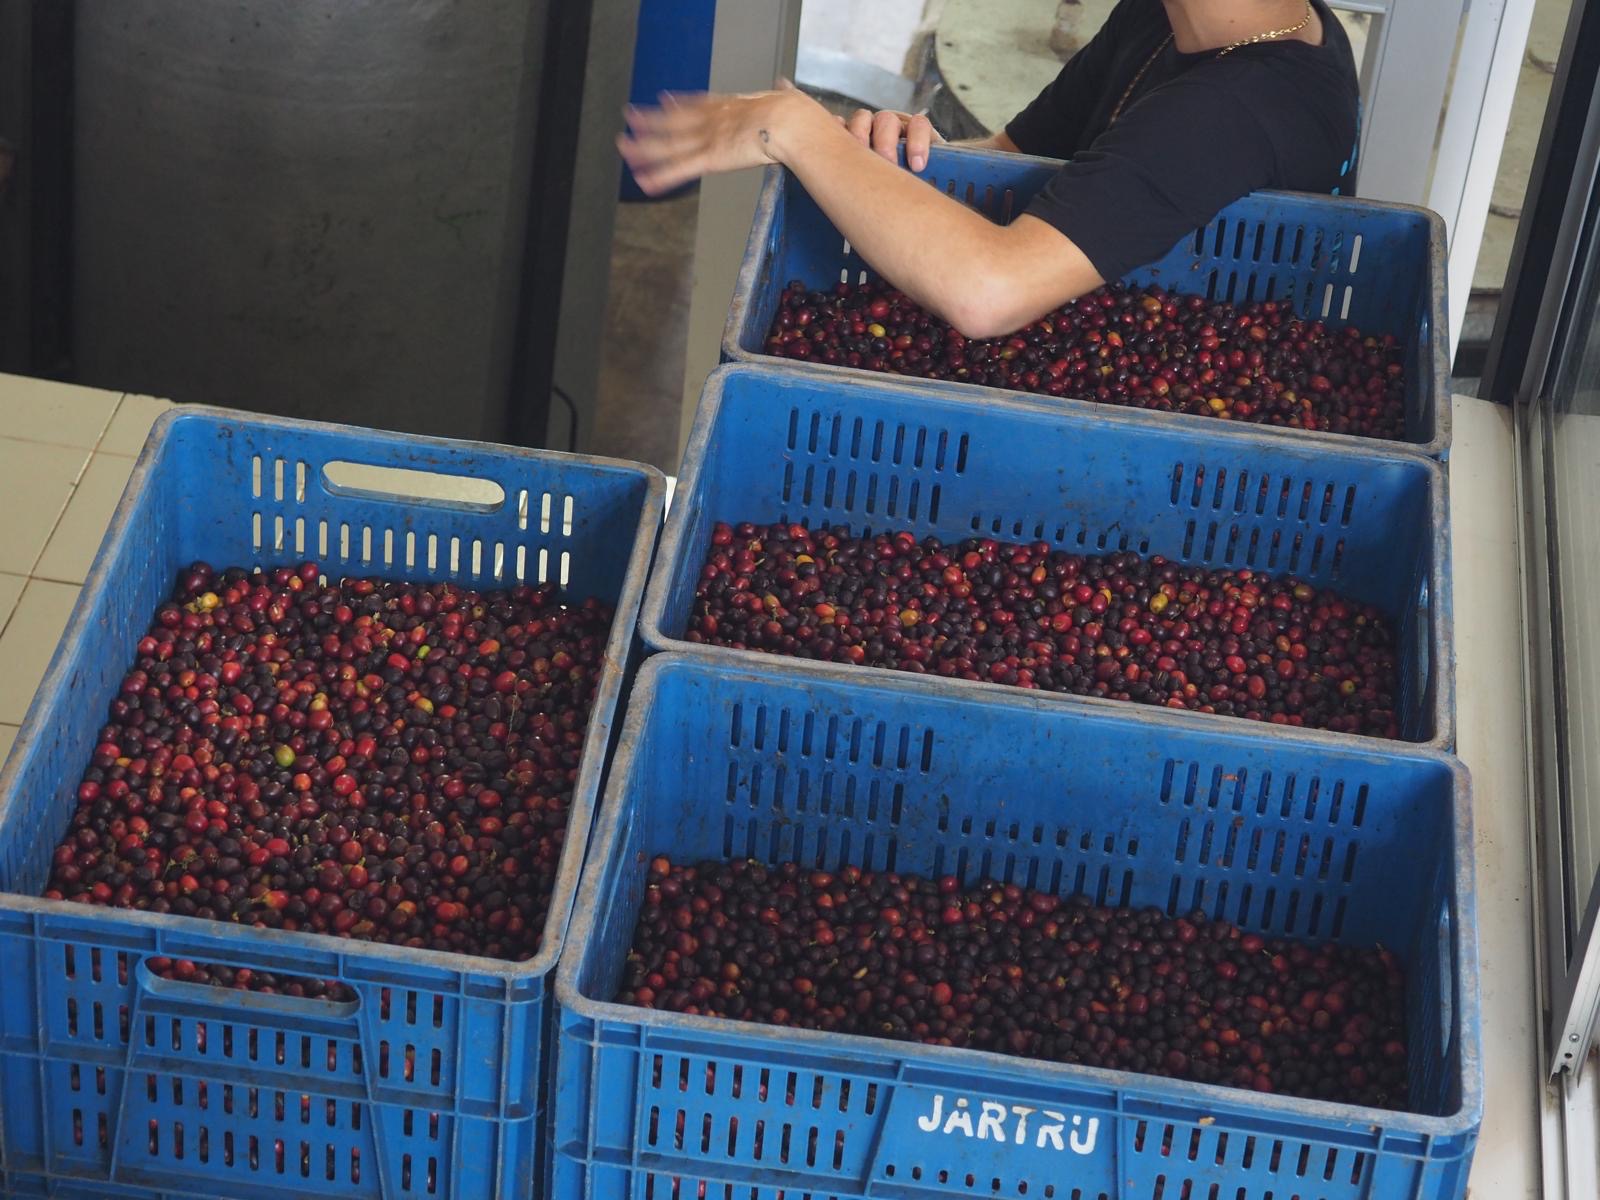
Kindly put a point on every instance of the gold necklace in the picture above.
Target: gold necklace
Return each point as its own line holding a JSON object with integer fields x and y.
{"x": 1268, "y": 36}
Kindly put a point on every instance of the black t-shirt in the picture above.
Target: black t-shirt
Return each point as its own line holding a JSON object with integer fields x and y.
{"x": 1197, "y": 132}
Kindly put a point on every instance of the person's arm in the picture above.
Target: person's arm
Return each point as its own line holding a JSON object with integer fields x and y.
{"x": 985, "y": 279}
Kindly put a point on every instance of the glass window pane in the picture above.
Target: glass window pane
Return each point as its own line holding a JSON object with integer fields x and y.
{"x": 1573, "y": 506}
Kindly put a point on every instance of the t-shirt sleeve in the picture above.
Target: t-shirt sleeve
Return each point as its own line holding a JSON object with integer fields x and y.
{"x": 1164, "y": 169}
{"x": 1052, "y": 125}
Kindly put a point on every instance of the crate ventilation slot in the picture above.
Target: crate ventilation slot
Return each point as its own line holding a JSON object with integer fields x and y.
{"x": 362, "y": 547}
{"x": 996, "y": 203}
{"x": 1255, "y": 493}
{"x": 986, "y": 1185}
{"x": 1313, "y": 801}
{"x": 1210, "y": 1147}
{"x": 805, "y": 735}
{"x": 1064, "y": 537}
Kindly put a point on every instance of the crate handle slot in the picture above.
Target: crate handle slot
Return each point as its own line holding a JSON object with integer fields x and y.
{"x": 410, "y": 485}
{"x": 250, "y": 1029}
{"x": 261, "y": 1029}
{"x": 203, "y": 1002}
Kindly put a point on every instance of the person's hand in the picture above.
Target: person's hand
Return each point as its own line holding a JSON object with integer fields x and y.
{"x": 883, "y": 132}
{"x": 691, "y": 136}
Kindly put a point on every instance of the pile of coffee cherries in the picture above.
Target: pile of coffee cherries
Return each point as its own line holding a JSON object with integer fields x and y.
{"x": 1118, "y": 626}
{"x": 382, "y": 761}
{"x": 1143, "y": 348}
{"x": 997, "y": 967}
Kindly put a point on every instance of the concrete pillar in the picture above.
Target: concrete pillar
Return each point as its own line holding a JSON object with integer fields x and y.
{"x": 755, "y": 43}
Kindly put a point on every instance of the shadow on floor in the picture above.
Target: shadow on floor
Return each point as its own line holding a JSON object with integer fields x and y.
{"x": 647, "y": 320}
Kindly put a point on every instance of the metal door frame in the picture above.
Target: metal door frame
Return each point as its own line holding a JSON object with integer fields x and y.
{"x": 1537, "y": 332}
{"x": 1411, "y": 104}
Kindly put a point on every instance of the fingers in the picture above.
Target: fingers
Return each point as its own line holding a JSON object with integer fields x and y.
{"x": 883, "y": 131}
{"x": 860, "y": 126}
{"x": 676, "y": 128}
{"x": 694, "y": 135}
{"x": 665, "y": 147}
{"x": 657, "y": 181}
{"x": 886, "y": 129}
{"x": 649, "y": 154}
{"x": 659, "y": 165}
{"x": 919, "y": 136}
{"x": 674, "y": 112}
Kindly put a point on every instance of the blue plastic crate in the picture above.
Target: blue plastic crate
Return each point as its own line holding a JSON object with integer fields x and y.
{"x": 429, "y": 1083}
{"x": 1281, "y": 835}
{"x": 773, "y": 444}
{"x": 1380, "y": 267}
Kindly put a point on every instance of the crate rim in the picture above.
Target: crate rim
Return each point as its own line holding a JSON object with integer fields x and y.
{"x": 774, "y": 180}
{"x": 569, "y": 998}
{"x": 673, "y": 541}
{"x": 341, "y": 950}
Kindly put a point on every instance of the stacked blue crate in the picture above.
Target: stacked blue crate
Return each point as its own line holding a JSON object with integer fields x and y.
{"x": 1281, "y": 834}
{"x": 430, "y": 1080}
{"x": 1380, "y": 267}
{"x": 775, "y": 444}
{"x": 730, "y": 754}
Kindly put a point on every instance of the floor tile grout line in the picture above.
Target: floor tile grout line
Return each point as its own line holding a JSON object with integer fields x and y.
{"x": 6, "y": 624}
{"x": 122, "y": 399}
{"x": 98, "y": 440}
{"x": 33, "y": 571}
{"x": 56, "y": 524}
{"x": 77, "y": 583}
{"x": 32, "y": 579}
{"x": 11, "y": 616}
{"x": 83, "y": 469}
{"x": 38, "y": 441}
{"x": 71, "y": 493}
{"x": 30, "y": 575}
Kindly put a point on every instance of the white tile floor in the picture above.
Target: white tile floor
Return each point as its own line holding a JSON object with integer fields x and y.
{"x": 65, "y": 454}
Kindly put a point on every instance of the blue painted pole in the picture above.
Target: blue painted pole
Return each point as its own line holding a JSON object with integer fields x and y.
{"x": 672, "y": 54}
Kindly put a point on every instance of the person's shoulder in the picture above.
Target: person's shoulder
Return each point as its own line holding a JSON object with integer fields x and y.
{"x": 1331, "y": 64}
{"x": 1287, "y": 71}
{"x": 1254, "y": 98}
{"x": 1291, "y": 102}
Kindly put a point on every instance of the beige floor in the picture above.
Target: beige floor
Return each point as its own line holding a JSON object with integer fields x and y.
{"x": 65, "y": 454}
